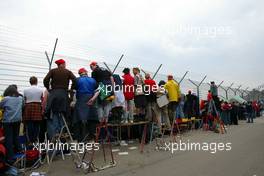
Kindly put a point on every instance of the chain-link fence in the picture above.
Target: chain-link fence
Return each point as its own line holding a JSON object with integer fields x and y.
{"x": 22, "y": 55}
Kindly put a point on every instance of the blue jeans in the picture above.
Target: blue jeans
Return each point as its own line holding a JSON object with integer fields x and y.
{"x": 179, "y": 111}
{"x": 54, "y": 125}
{"x": 250, "y": 117}
{"x": 225, "y": 116}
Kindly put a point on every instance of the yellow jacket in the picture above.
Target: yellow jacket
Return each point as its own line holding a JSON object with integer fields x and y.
{"x": 173, "y": 90}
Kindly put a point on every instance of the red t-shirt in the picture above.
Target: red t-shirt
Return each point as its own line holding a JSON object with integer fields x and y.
{"x": 128, "y": 88}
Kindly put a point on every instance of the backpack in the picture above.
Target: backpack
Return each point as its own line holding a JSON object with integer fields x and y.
{"x": 104, "y": 94}
{"x": 117, "y": 79}
{"x": 104, "y": 86}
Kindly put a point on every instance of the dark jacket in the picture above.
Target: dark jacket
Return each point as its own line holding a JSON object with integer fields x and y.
{"x": 59, "y": 78}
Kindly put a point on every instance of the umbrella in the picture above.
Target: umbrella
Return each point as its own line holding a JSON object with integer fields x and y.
{"x": 237, "y": 99}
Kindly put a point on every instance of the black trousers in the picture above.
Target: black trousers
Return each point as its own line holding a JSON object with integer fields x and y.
{"x": 172, "y": 110}
{"x": 11, "y": 131}
{"x": 33, "y": 130}
{"x": 85, "y": 130}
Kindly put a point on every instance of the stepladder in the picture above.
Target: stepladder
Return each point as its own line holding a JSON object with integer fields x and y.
{"x": 213, "y": 113}
{"x": 103, "y": 139}
{"x": 61, "y": 140}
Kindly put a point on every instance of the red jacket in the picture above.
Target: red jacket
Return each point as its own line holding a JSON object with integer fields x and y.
{"x": 255, "y": 106}
{"x": 209, "y": 96}
{"x": 128, "y": 88}
{"x": 226, "y": 107}
{"x": 151, "y": 83}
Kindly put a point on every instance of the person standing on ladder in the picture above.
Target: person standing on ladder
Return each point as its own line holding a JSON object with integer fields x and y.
{"x": 85, "y": 112}
{"x": 128, "y": 90}
{"x": 105, "y": 80}
{"x": 151, "y": 96}
{"x": 174, "y": 94}
{"x": 214, "y": 92}
{"x": 57, "y": 82}
{"x": 139, "y": 98}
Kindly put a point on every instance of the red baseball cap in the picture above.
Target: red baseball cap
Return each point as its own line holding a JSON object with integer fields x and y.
{"x": 60, "y": 61}
{"x": 93, "y": 63}
{"x": 82, "y": 70}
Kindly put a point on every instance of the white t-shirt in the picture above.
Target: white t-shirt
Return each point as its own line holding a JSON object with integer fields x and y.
{"x": 33, "y": 94}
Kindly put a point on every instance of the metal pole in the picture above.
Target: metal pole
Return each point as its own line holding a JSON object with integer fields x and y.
{"x": 197, "y": 89}
{"x": 233, "y": 91}
{"x": 220, "y": 84}
{"x": 230, "y": 86}
{"x": 202, "y": 80}
{"x": 48, "y": 59}
{"x": 193, "y": 82}
{"x": 53, "y": 53}
{"x": 237, "y": 90}
{"x": 176, "y": 81}
{"x": 118, "y": 63}
{"x": 225, "y": 91}
{"x": 198, "y": 93}
{"x": 143, "y": 71}
{"x": 244, "y": 91}
{"x": 107, "y": 67}
{"x": 183, "y": 77}
{"x": 155, "y": 74}
{"x": 228, "y": 89}
{"x": 157, "y": 71}
{"x": 54, "y": 50}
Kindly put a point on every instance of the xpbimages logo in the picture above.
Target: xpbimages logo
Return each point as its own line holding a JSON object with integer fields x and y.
{"x": 146, "y": 89}
{"x": 78, "y": 147}
{"x": 212, "y": 147}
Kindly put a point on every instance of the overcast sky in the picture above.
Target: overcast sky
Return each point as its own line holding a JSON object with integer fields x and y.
{"x": 220, "y": 38}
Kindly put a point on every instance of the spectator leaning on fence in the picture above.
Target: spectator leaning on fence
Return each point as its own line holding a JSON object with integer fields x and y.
{"x": 214, "y": 91}
{"x": 32, "y": 115}
{"x": 234, "y": 114}
{"x": 174, "y": 96}
{"x": 151, "y": 96}
{"x": 105, "y": 80}
{"x": 12, "y": 105}
{"x": 189, "y": 105}
{"x": 140, "y": 98}
{"x": 128, "y": 90}
{"x": 250, "y": 111}
{"x": 58, "y": 99}
{"x": 163, "y": 111}
{"x": 225, "y": 115}
{"x": 85, "y": 113}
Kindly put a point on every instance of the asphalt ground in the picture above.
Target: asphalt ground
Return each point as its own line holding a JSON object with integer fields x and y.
{"x": 241, "y": 153}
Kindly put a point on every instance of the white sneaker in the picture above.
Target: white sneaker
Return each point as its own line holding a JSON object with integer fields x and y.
{"x": 123, "y": 143}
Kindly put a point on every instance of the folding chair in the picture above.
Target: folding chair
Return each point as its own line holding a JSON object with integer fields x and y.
{"x": 20, "y": 158}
